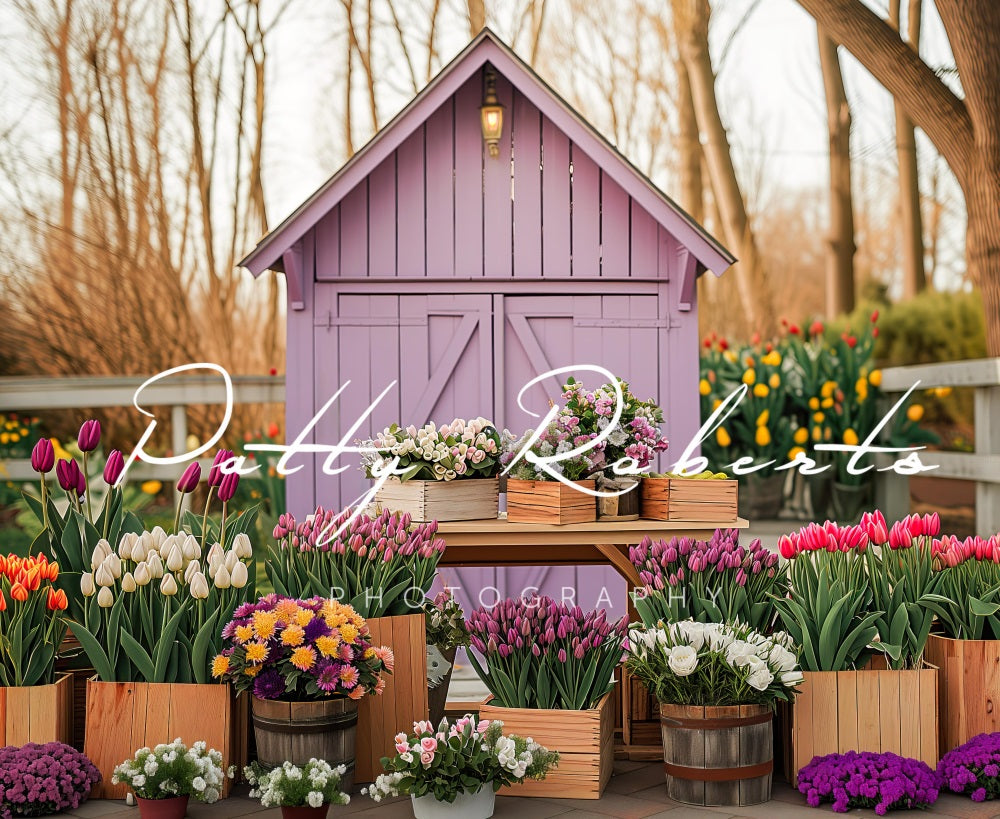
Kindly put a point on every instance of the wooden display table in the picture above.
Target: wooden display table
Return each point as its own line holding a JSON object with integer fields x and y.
{"x": 500, "y": 543}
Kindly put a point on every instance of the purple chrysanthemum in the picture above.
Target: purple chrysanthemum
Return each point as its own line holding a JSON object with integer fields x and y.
{"x": 869, "y": 780}
{"x": 315, "y": 628}
{"x": 269, "y": 685}
{"x": 37, "y": 779}
{"x": 326, "y": 675}
{"x": 974, "y": 768}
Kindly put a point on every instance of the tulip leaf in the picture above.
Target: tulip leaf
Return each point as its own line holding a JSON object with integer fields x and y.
{"x": 981, "y": 608}
{"x": 199, "y": 654}
{"x": 94, "y": 651}
{"x": 138, "y": 655}
{"x": 165, "y": 644}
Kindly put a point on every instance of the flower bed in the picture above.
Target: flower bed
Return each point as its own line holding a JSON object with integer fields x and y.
{"x": 973, "y": 768}
{"x": 883, "y": 781}
{"x": 39, "y": 779}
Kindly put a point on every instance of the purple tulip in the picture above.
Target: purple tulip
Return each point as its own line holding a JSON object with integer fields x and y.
{"x": 215, "y": 475}
{"x": 90, "y": 435}
{"x": 562, "y": 655}
{"x": 114, "y": 467}
{"x": 227, "y": 488}
{"x": 43, "y": 456}
{"x": 188, "y": 482}
{"x": 69, "y": 475}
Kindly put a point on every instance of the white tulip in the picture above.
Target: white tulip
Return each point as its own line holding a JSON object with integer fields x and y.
{"x": 103, "y": 576}
{"x": 242, "y": 545}
{"x": 87, "y": 587}
{"x": 142, "y": 575}
{"x": 214, "y": 562}
{"x": 167, "y": 545}
{"x": 147, "y": 541}
{"x": 140, "y": 550}
{"x": 216, "y": 550}
{"x": 125, "y": 545}
{"x": 128, "y": 583}
{"x": 101, "y": 551}
{"x": 114, "y": 564}
{"x": 222, "y": 578}
{"x": 191, "y": 548}
{"x": 193, "y": 568}
{"x": 240, "y": 576}
{"x": 105, "y": 599}
{"x": 175, "y": 558}
{"x": 155, "y": 566}
{"x": 683, "y": 660}
{"x": 199, "y": 586}
{"x": 168, "y": 586}
{"x": 157, "y": 536}
{"x": 231, "y": 560}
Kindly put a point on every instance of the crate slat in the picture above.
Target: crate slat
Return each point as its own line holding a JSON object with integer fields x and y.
{"x": 37, "y": 713}
{"x": 688, "y": 499}
{"x": 549, "y": 502}
{"x": 471, "y": 499}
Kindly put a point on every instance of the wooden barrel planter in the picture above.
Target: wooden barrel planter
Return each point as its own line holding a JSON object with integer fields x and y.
{"x": 299, "y": 731}
{"x": 718, "y": 755}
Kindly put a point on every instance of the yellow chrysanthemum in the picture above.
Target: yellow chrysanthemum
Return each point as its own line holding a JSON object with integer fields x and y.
{"x": 915, "y": 413}
{"x": 875, "y": 379}
{"x": 349, "y": 633}
{"x": 369, "y": 653}
{"x": 772, "y": 359}
{"x": 264, "y": 624}
{"x": 704, "y": 387}
{"x": 220, "y": 665}
{"x": 814, "y": 403}
{"x": 303, "y": 617}
{"x": 293, "y": 635}
{"x": 761, "y": 390}
{"x": 749, "y": 377}
{"x": 244, "y": 634}
{"x": 723, "y": 437}
{"x": 256, "y": 652}
{"x": 286, "y": 610}
{"x": 774, "y": 381}
{"x": 304, "y": 658}
{"x": 327, "y": 645}
{"x": 335, "y": 620}
{"x": 801, "y": 435}
{"x": 252, "y": 670}
{"x": 794, "y": 452}
{"x": 763, "y": 418}
{"x": 850, "y": 437}
{"x": 762, "y": 436}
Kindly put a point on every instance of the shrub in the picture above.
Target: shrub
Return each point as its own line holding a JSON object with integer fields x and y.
{"x": 868, "y": 780}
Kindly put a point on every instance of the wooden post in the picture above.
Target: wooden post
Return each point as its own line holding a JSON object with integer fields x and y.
{"x": 987, "y": 420}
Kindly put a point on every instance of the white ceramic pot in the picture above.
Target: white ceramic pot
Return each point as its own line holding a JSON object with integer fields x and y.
{"x": 478, "y": 805}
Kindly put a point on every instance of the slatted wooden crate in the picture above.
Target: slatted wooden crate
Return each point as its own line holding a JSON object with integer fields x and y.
{"x": 640, "y": 720}
{"x": 37, "y": 713}
{"x": 869, "y": 710}
{"x": 404, "y": 700}
{"x": 584, "y": 740}
{"x": 701, "y": 500}
{"x": 472, "y": 499}
{"x": 549, "y": 502}
{"x": 968, "y": 688}
{"x": 123, "y": 717}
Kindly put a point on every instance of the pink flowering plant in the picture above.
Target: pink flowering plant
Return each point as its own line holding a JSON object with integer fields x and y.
{"x": 713, "y": 581}
{"x": 459, "y": 758}
{"x": 968, "y": 607}
{"x": 40, "y": 779}
{"x": 382, "y": 565}
{"x": 541, "y": 654}
{"x": 973, "y": 768}
{"x": 461, "y": 449}
{"x": 883, "y": 781}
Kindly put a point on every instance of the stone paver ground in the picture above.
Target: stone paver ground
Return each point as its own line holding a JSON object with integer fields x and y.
{"x": 637, "y": 791}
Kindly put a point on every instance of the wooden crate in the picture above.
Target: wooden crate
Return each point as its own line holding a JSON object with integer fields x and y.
{"x": 472, "y": 499}
{"x": 689, "y": 499}
{"x": 123, "y": 717}
{"x": 640, "y": 720}
{"x": 869, "y": 710}
{"x": 37, "y": 713}
{"x": 549, "y": 502}
{"x": 404, "y": 700}
{"x": 584, "y": 740}
{"x": 968, "y": 688}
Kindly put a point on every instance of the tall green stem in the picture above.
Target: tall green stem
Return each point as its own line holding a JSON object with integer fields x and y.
{"x": 204, "y": 518}
{"x": 86, "y": 484}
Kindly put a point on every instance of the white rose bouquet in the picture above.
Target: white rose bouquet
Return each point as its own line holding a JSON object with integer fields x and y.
{"x": 690, "y": 663}
{"x": 173, "y": 769}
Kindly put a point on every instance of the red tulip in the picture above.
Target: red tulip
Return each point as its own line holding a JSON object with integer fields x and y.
{"x": 215, "y": 475}
{"x": 188, "y": 482}
{"x": 113, "y": 467}
{"x": 89, "y": 436}
{"x": 227, "y": 487}
{"x": 43, "y": 456}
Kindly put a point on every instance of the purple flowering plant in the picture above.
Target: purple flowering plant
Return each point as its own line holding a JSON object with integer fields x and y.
{"x": 883, "y": 781}
{"x": 713, "y": 581}
{"x": 40, "y": 779}
{"x": 541, "y": 654}
{"x": 973, "y": 768}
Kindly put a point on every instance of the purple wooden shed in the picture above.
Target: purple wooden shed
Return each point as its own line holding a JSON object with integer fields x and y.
{"x": 426, "y": 260}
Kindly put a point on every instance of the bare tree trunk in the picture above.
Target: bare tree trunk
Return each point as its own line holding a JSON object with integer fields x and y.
{"x": 689, "y": 148}
{"x": 691, "y": 18}
{"x": 477, "y": 16}
{"x": 914, "y": 278}
{"x": 840, "y": 239}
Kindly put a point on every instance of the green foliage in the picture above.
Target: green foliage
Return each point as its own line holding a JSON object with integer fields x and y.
{"x": 446, "y": 622}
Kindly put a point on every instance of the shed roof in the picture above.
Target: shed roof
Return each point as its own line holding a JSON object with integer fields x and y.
{"x": 488, "y": 48}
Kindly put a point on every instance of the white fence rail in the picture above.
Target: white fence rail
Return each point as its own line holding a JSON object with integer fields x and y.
{"x": 178, "y": 392}
{"x": 982, "y": 465}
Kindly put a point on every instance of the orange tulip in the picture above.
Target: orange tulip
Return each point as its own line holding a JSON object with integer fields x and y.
{"x": 34, "y": 579}
{"x": 53, "y": 572}
{"x": 18, "y": 592}
{"x": 3, "y": 602}
{"x": 57, "y": 600}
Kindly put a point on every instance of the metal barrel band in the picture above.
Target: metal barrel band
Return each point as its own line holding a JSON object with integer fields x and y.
{"x": 719, "y": 774}
{"x": 714, "y": 723}
{"x": 285, "y": 727}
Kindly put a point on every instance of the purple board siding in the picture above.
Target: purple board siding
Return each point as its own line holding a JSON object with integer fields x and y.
{"x": 555, "y": 201}
{"x": 354, "y": 233}
{"x": 327, "y": 239}
{"x": 410, "y": 206}
{"x": 586, "y": 206}
{"x": 300, "y": 350}
{"x": 526, "y": 134}
{"x": 497, "y": 231}
{"x": 469, "y": 181}
{"x": 615, "y": 229}
{"x": 644, "y": 249}
{"x": 382, "y": 220}
{"x": 440, "y": 182}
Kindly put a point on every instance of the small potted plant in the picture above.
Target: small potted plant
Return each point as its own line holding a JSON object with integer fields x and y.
{"x": 446, "y": 631}
{"x": 164, "y": 778}
{"x": 455, "y": 771}
{"x": 63, "y": 778}
{"x": 301, "y": 791}
{"x": 717, "y": 686}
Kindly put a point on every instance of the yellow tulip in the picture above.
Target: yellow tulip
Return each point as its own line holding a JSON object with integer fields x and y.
{"x": 704, "y": 387}
{"x": 814, "y": 403}
{"x": 722, "y": 437}
{"x": 762, "y": 436}
{"x": 818, "y": 417}
{"x": 801, "y": 435}
{"x": 151, "y": 487}
{"x": 730, "y": 356}
{"x": 850, "y": 437}
{"x": 716, "y": 404}
{"x": 827, "y": 389}
{"x": 774, "y": 381}
{"x": 749, "y": 377}
{"x": 772, "y": 359}
{"x": 875, "y": 379}
{"x": 763, "y": 418}
{"x": 817, "y": 433}
{"x": 761, "y": 390}
{"x": 794, "y": 452}
{"x": 915, "y": 413}
{"x": 826, "y": 403}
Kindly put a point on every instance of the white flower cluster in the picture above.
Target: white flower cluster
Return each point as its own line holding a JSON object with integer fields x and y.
{"x": 686, "y": 643}
{"x": 471, "y": 443}
{"x": 173, "y": 560}
{"x": 385, "y": 786}
{"x": 507, "y": 756}
{"x": 273, "y": 787}
{"x": 204, "y": 763}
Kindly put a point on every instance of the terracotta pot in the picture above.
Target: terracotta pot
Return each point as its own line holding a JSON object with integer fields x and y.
{"x": 174, "y": 807}
{"x": 304, "y": 812}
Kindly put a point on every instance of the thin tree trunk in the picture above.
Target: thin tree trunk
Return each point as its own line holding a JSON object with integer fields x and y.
{"x": 914, "y": 278}
{"x": 477, "y": 16}
{"x": 689, "y": 147}
{"x": 840, "y": 240}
